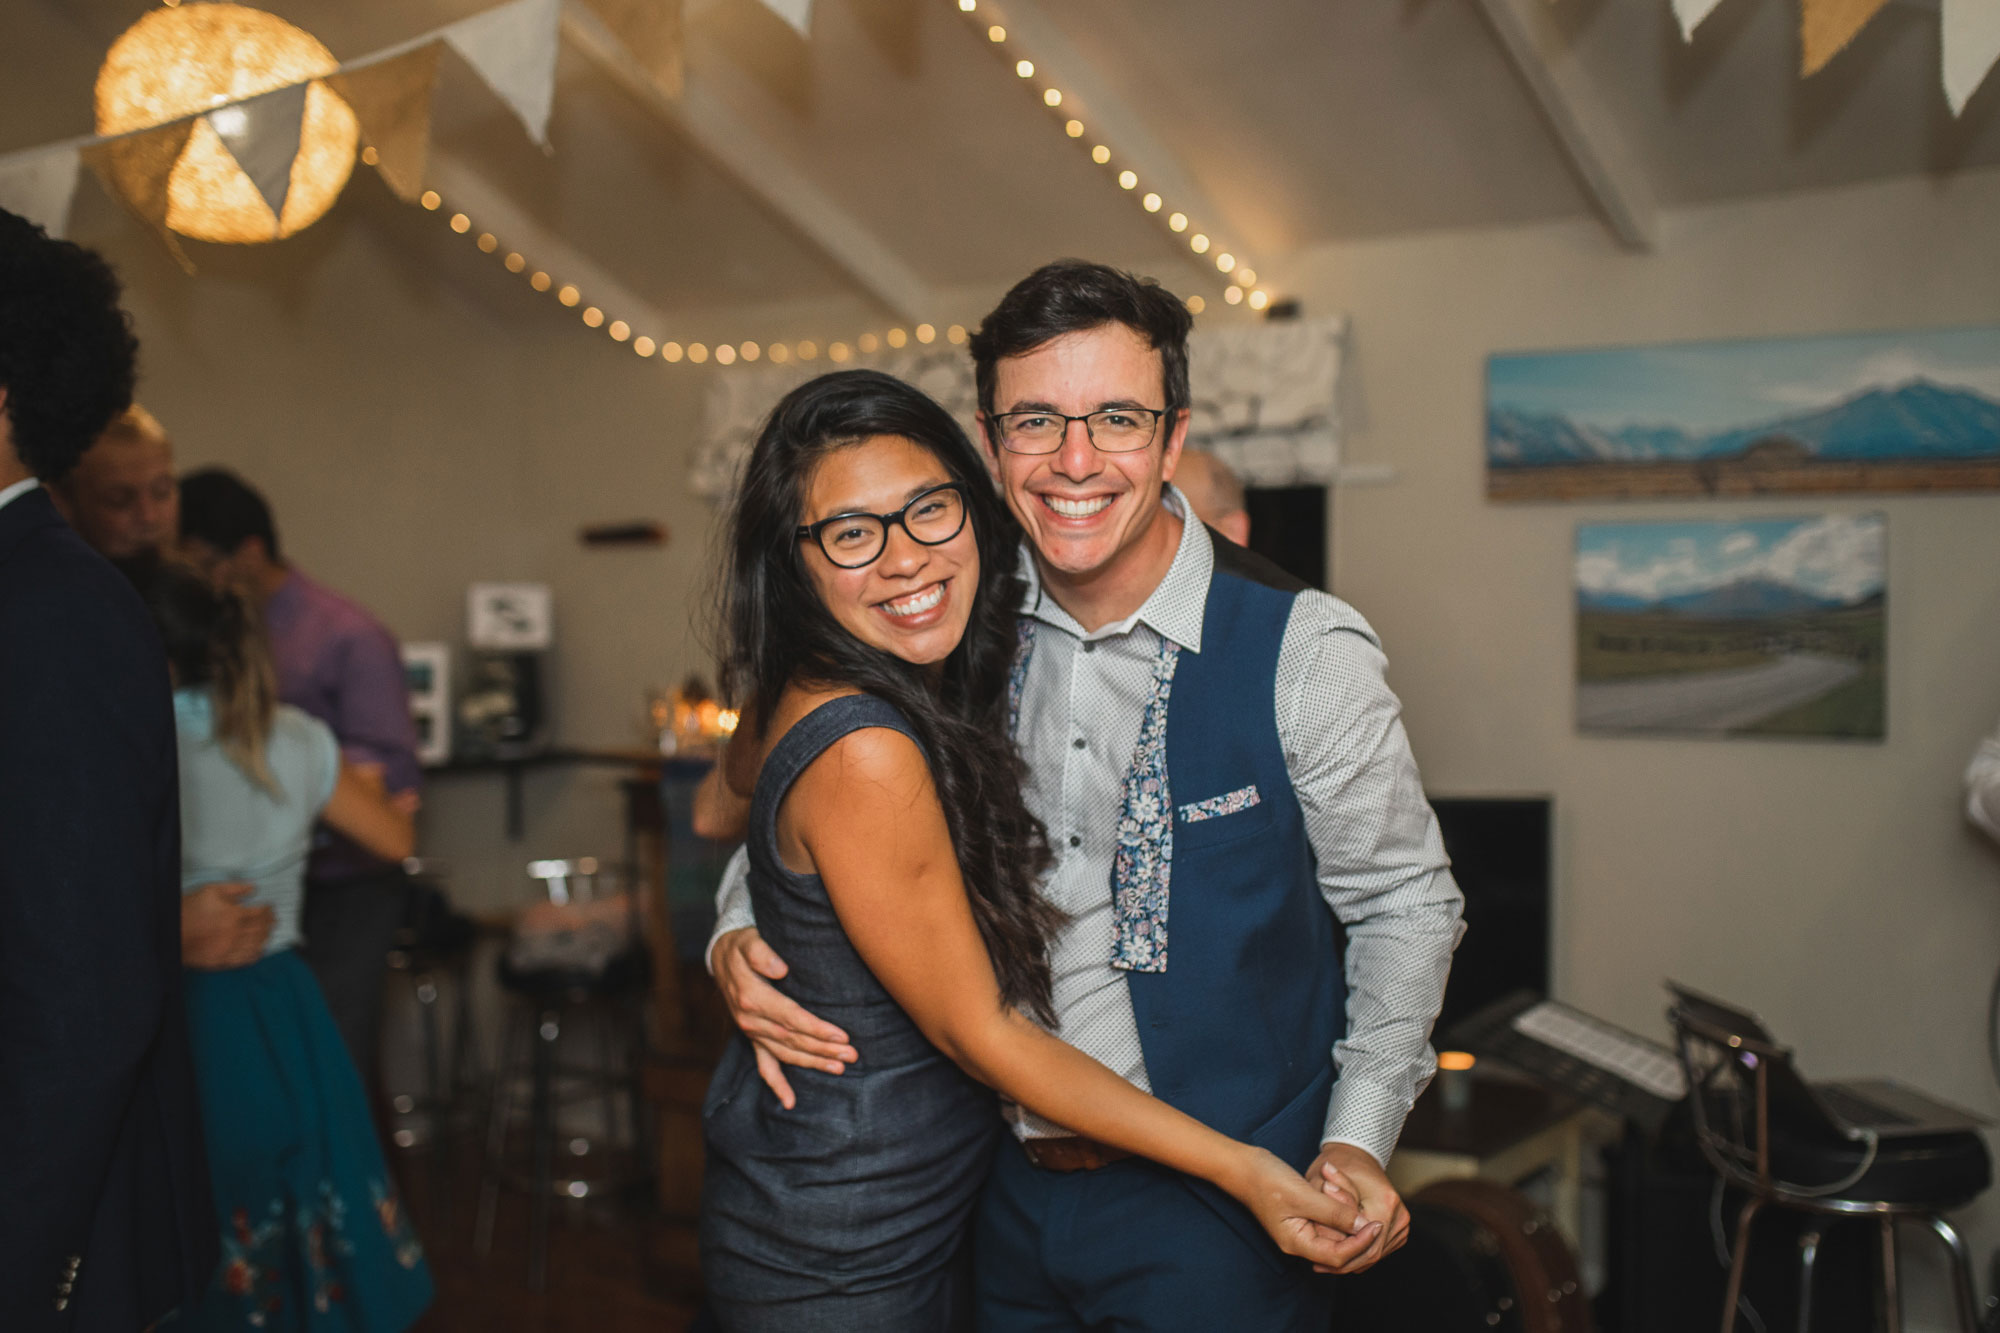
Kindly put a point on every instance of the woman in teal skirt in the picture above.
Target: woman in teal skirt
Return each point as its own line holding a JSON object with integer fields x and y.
{"x": 314, "y": 1237}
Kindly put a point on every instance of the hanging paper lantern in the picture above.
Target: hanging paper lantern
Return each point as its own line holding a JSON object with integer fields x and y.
{"x": 184, "y": 60}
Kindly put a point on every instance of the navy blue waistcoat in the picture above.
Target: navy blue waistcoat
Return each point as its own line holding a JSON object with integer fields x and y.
{"x": 1239, "y": 1030}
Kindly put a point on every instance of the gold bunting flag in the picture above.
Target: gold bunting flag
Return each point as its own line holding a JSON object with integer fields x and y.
{"x": 651, "y": 31}
{"x": 135, "y": 168}
{"x": 392, "y": 100}
{"x": 1827, "y": 26}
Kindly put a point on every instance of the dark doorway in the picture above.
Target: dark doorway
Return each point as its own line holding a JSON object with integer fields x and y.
{"x": 1288, "y": 528}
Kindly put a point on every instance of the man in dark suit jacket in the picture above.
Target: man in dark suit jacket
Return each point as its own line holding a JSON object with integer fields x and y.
{"x": 105, "y": 1219}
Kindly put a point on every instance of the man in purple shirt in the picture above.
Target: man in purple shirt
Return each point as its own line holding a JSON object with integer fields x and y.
{"x": 338, "y": 663}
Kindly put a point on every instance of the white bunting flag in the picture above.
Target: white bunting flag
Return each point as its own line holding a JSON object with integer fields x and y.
{"x": 1971, "y": 41}
{"x": 1691, "y": 13}
{"x": 39, "y": 185}
{"x": 262, "y": 134}
{"x": 514, "y": 50}
{"x": 798, "y": 13}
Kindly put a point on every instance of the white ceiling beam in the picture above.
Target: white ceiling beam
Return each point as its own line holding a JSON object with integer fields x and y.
{"x": 1110, "y": 120}
{"x": 491, "y": 209}
{"x": 715, "y": 128}
{"x": 1599, "y": 154}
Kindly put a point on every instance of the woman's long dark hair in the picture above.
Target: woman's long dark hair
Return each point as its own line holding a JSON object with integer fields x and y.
{"x": 778, "y": 630}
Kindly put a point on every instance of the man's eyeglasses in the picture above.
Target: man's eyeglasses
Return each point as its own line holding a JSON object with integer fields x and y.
{"x": 854, "y": 540}
{"x": 1115, "y": 430}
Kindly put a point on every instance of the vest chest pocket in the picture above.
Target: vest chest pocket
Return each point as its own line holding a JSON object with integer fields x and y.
{"x": 1223, "y": 818}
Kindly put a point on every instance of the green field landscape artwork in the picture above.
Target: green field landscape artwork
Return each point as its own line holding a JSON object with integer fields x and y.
{"x": 1914, "y": 411}
{"x": 1746, "y": 627}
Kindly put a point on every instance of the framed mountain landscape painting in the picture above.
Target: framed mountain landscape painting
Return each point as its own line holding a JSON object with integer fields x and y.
{"x": 1754, "y": 627}
{"x": 1850, "y": 412}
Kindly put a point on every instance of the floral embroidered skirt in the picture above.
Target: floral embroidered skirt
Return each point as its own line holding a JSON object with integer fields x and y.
{"x": 313, "y": 1235}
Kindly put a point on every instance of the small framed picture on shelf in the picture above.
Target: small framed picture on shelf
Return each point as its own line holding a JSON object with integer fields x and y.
{"x": 508, "y": 617}
{"x": 427, "y": 669}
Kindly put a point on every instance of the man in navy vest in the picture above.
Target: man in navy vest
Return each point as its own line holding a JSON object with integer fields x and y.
{"x": 1225, "y": 779}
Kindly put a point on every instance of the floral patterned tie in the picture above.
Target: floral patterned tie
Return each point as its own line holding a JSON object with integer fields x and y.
{"x": 1143, "y": 865}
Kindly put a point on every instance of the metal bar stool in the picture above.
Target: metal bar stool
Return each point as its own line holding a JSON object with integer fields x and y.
{"x": 565, "y": 978}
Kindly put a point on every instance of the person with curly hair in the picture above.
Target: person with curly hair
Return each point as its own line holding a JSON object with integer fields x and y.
{"x": 107, "y": 1223}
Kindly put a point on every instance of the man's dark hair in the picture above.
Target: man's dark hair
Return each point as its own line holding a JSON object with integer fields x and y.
{"x": 67, "y": 355}
{"x": 1073, "y": 296}
{"x": 222, "y": 509}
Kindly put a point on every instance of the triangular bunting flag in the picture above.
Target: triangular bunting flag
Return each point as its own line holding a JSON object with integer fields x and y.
{"x": 1826, "y": 26}
{"x": 262, "y": 134}
{"x": 40, "y": 185}
{"x": 1691, "y": 13}
{"x": 514, "y": 50}
{"x": 392, "y": 100}
{"x": 651, "y": 31}
{"x": 1971, "y": 40}
{"x": 135, "y": 168}
{"x": 798, "y": 13}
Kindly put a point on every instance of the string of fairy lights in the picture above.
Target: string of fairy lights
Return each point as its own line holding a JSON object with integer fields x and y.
{"x": 1238, "y": 277}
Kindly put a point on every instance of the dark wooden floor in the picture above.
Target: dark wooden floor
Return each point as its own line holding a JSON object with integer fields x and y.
{"x": 610, "y": 1270}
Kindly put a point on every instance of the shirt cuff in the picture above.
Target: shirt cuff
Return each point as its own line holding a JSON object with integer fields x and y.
{"x": 732, "y": 903}
{"x": 1366, "y": 1115}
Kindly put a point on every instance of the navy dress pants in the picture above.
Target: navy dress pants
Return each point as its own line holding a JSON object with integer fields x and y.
{"x": 1129, "y": 1247}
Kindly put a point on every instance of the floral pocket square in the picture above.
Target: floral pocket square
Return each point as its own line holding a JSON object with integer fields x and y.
{"x": 1215, "y": 807}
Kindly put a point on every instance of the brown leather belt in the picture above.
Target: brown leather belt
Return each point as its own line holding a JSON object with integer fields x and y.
{"x": 1071, "y": 1153}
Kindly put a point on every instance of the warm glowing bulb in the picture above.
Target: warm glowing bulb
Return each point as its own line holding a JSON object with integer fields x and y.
{"x": 1198, "y": 243}
{"x": 569, "y": 295}
{"x": 1100, "y": 155}
{"x": 203, "y": 61}
{"x": 808, "y": 350}
{"x": 1196, "y": 305}
{"x": 461, "y": 223}
{"x": 370, "y": 156}
{"x": 868, "y": 342}
{"x": 1225, "y": 261}
{"x": 1025, "y": 68}
{"x": 643, "y": 345}
{"x": 1259, "y": 299}
{"x": 896, "y": 338}
{"x": 839, "y": 351}
{"x": 967, "y": 6}
{"x": 1233, "y": 295}
{"x": 1456, "y": 1062}
{"x": 926, "y": 334}
{"x": 1127, "y": 179}
{"x": 749, "y": 351}
{"x": 697, "y": 353}
{"x": 1074, "y": 129}
{"x": 430, "y": 200}
{"x": 672, "y": 352}
{"x": 1247, "y": 276}
{"x": 488, "y": 242}
{"x": 619, "y": 330}
{"x": 955, "y": 334}
{"x": 1151, "y": 203}
{"x": 725, "y": 355}
{"x": 540, "y": 282}
{"x": 780, "y": 354}
{"x": 514, "y": 262}
{"x": 592, "y": 316}
{"x": 996, "y": 33}
{"x": 1051, "y": 97}
{"x": 1177, "y": 222}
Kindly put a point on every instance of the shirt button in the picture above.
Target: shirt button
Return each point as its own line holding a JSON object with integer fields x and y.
{"x": 1078, "y": 742}
{"x": 1075, "y": 841}
{"x": 1090, "y": 647}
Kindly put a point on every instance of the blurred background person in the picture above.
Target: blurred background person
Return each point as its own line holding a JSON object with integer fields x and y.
{"x": 105, "y": 1221}
{"x": 121, "y": 496}
{"x": 304, "y": 1206}
{"x": 337, "y": 663}
{"x": 1216, "y": 493}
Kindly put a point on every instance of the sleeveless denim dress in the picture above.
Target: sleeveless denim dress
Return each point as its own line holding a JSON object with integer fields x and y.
{"x": 848, "y": 1212}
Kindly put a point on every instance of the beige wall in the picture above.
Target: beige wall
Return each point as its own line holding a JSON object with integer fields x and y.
{"x": 1834, "y": 887}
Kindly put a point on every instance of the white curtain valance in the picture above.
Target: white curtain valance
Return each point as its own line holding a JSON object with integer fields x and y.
{"x": 1265, "y": 400}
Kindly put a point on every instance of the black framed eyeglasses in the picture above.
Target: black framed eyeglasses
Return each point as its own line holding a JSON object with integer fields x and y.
{"x": 1114, "y": 430}
{"x": 932, "y": 517}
